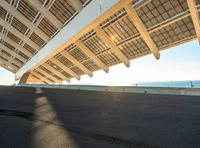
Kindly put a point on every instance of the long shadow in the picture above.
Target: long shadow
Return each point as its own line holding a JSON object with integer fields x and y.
{"x": 16, "y": 116}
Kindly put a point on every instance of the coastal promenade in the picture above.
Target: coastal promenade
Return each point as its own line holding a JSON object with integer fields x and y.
{"x": 49, "y": 118}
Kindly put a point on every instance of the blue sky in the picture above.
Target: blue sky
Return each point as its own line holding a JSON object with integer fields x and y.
{"x": 178, "y": 63}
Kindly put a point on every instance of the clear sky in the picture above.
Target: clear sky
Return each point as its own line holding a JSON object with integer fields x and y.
{"x": 178, "y": 63}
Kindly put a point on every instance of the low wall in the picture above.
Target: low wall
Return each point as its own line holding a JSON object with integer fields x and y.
{"x": 129, "y": 89}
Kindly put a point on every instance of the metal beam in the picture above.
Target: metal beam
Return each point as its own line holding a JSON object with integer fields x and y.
{"x": 59, "y": 74}
{"x": 24, "y": 20}
{"x": 14, "y": 31}
{"x": 142, "y": 30}
{"x": 65, "y": 68}
{"x": 106, "y": 39}
{"x": 40, "y": 77}
{"x": 76, "y": 63}
{"x": 195, "y": 17}
{"x": 13, "y": 53}
{"x": 45, "y": 12}
{"x": 92, "y": 56}
{"x": 14, "y": 44}
{"x": 47, "y": 74}
{"x": 76, "y": 4}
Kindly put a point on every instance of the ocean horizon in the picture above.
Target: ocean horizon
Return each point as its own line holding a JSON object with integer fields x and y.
{"x": 182, "y": 84}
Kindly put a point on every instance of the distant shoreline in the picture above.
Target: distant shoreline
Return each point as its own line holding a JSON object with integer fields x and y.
{"x": 179, "y": 84}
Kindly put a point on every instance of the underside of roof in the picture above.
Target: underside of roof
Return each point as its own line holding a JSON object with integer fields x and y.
{"x": 128, "y": 30}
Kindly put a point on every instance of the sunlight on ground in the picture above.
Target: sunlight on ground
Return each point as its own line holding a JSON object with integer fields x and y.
{"x": 47, "y": 126}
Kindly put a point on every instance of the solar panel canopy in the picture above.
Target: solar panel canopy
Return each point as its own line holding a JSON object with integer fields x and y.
{"x": 127, "y": 30}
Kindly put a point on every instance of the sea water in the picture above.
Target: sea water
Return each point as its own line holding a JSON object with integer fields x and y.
{"x": 185, "y": 84}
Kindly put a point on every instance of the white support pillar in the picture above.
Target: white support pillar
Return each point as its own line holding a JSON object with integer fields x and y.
{"x": 45, "y": 12}
{"x": 76, "y": 4}
{"x": 195, "y": 17}
{"x": 142, "y": 29}
{"x": 24, "y": 20}
{"x": 106, "y": 39}
{"x": 65, "y": 68}
{"x": 14, "y": 31}
{"x": 76, "y": 63}
{"x": 92, "y": 56}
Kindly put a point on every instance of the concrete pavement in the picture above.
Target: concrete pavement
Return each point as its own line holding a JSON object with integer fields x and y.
{"x": 49, "y": 118}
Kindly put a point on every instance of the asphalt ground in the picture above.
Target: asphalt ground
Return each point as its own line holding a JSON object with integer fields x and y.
{"x": 53, "y": 118}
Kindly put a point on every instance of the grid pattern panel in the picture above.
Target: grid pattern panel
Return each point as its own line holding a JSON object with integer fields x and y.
{"x": 23, "y": 55}
{"x": 70, "y": 47}
{"x": 77, "y": 70}
{"x": 43, "y": 75}
{"x": 15, "y": 65}
{"x": 2, "y": 51}
{"x": 134, "y": 48}
{"x": 35, "y": 77}
{"x": 78, "y": 54}
{"x": 39, "y": 72}
{"x": 18, "y": 25}
{"x": 13, "y": 37}
{"x": 96, "y": 45}
{"x": 121, "y": 29}
{"x": 174, "y": 32}
{"x": 160, "y": 10}
{"x": 46, "y": 70}
{"x": 9, "y": 46}
{"x": 18, "y": 60}
{"x": 66, "y": 74}
{"x": 28, "y": 11}
{"x": 89, "y": 64}
{"x": 47, "y": 27}
{"x": 113, "y": 18}
{"x": 3, "y": 13}
{"x": 50, "y": 73}
{"x": 87, "y": 35}
{"x": 35, "y": 38}
{"x": 108, "y": 58}
{"x": 4, "y": 58}
{"x": 65, "y": 61}
{"x": 55, "y": 66}
{"x": 62, "y": 10}
{"x": 29, "y": 48}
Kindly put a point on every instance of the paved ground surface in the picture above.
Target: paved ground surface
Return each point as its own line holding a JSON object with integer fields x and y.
{"x": 51, "y": 118}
